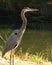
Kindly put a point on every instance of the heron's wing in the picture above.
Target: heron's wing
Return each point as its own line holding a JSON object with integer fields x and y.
{"x": 11, "y": 42}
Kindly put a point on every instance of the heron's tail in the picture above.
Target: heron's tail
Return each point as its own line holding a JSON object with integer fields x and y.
{"x": 3, "y": 54}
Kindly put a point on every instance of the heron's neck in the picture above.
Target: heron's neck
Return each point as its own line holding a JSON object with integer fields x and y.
{"x": 23, "y": 27}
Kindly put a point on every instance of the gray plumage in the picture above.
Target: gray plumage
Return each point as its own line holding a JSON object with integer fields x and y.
{"x": 13, "y": 41}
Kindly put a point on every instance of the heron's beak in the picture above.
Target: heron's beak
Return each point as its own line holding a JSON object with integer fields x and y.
{"x": 34, "y": 9}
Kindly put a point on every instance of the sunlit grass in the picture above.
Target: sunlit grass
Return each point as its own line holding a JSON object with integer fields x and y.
{"x": 38, "y": 57}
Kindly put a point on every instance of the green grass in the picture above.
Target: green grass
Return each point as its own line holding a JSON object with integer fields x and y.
{"x": 33, "y": 42}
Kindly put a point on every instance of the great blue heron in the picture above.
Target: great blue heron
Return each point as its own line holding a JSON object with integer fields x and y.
{"x": 15, "y": 38}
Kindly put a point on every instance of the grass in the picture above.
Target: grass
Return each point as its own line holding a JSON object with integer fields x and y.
{"x": 38, "y": 57}
{"x": 35, "y": 45}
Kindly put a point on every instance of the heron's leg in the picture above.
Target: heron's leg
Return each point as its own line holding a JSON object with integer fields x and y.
{"x": 12, "y": 57}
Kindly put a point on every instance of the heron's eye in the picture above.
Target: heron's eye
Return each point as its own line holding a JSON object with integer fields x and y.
{"x": 15, "y": 33}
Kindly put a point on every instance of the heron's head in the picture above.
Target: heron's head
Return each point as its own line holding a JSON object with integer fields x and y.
{"x": 27, "y": 9}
